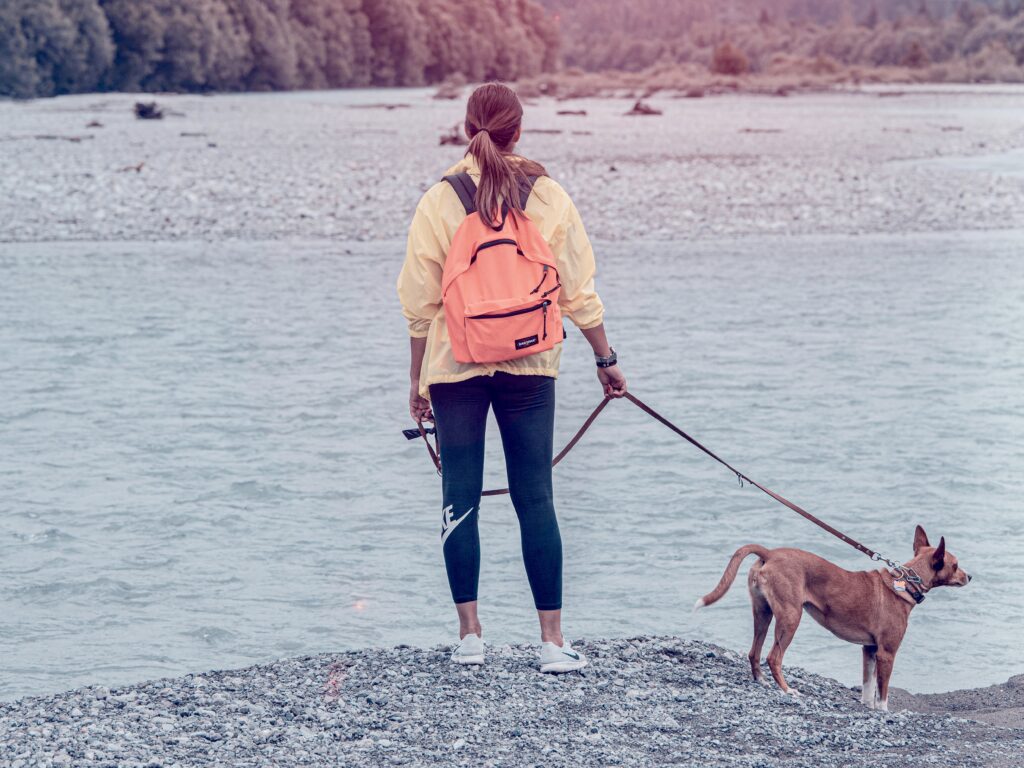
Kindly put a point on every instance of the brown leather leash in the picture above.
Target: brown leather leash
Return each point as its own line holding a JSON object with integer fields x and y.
{"x": 904, "y": 572}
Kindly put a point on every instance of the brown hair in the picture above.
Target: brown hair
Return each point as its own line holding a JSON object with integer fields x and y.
{"x": 493, "y": 117}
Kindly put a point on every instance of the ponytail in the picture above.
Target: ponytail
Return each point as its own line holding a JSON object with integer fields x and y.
{"x": 493, "y": 119}
{"x": 499, "y": 179}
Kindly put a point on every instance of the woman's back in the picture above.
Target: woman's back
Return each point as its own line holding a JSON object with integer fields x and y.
{"x": 438, "y": 216}
{"x": 495, "y": 296}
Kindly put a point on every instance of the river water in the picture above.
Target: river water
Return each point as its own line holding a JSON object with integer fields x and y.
{"x": 202, "y": 466}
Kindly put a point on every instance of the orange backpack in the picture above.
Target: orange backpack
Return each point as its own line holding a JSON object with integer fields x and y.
{"x": 500, "y": 285}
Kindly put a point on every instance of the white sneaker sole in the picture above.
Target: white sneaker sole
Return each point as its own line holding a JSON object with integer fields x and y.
{"x": 558, "y": 667}
{"x": 469, "y": 660}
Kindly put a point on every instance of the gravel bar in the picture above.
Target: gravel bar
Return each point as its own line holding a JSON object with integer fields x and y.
{"x": 311, "y": 165}
{"x": 643, "y": 701}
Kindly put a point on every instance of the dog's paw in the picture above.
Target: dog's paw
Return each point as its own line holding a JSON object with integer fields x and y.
{"x": 793, "y": 692}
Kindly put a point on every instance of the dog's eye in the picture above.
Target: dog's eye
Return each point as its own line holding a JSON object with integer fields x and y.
{"x": 955, "y": 566}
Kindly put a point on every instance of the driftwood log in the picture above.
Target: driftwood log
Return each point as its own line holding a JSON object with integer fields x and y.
{"x": 641, "y": 108}
{"x": 454, "y": 137}
{"x": 148, "y": 110}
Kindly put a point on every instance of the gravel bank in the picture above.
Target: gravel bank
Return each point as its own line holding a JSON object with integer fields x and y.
{"x": 339, "y": 165}
{"x": 644, "y": 701}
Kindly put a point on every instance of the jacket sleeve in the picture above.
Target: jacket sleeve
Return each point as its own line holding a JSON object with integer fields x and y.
{"x": 576, "y": 269}
{"x": 419, "y": 283}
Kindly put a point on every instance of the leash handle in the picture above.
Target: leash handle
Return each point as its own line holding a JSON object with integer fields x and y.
{"x": 434, "y": 450}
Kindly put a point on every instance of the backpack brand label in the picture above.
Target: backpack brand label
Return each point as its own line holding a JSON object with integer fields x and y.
{"x": 529, "y": 341}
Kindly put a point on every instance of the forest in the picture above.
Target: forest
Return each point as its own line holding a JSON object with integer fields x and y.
{"x": 50, "y": 47}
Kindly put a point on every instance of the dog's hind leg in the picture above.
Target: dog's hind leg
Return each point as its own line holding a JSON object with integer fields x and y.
{"x": 786, "y": 622}
{"x": 762, "y": 620}
{"x": 867, "y": 691}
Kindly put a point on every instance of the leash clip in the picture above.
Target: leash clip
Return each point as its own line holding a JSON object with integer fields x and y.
{"x": 903, "y": 572}
{"x": 911, "y": 575}
{"x": 739, "y": 479}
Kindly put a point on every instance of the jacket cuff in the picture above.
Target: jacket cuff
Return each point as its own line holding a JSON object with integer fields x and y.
{"x": 589, "y": 320}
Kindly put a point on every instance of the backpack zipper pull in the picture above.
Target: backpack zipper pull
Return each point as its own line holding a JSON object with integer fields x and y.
{"x": 546, "y": 320}
{"x": 543, "y": 277}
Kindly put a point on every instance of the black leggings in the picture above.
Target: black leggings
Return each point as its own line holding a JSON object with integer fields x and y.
{"x": 524, "y": 407}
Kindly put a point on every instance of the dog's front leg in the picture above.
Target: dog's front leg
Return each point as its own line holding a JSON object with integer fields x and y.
{"x": 867, "y": 691}
{"x": 883, "y": 663}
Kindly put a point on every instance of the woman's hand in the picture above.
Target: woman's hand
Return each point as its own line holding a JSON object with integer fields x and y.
{"x": 419, "y": 407}
{"x": 613, "y": 381}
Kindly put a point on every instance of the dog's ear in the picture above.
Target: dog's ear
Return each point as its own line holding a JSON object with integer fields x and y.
{"x": 939, "y": 555}
{"x": 920, "y": 539}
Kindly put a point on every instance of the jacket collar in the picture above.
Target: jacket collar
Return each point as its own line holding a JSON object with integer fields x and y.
{"x": 467, "y": 164}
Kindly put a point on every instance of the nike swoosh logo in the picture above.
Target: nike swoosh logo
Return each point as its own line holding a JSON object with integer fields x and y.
{"x": 572, "y": 655}
{"x": 449, "y": 522}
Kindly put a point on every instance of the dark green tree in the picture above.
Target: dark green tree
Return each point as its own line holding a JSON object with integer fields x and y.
{"x": 62, "y": 46}
{"x": 19, "y": 75}
{"x": 399, "y": 41}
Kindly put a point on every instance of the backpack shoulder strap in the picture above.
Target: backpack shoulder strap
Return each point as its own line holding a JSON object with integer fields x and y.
{"x": 464, "y": 187}
{"x": 526, "y": 189}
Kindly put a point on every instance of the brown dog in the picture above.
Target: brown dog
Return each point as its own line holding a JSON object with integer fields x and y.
{"x": 870, "y": 608}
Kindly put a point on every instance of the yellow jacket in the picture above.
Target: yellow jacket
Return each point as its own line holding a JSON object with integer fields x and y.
{"x": 437, "y": 216}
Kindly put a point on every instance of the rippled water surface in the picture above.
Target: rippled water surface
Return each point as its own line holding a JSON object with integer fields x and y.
{"x": 202, "y": 466}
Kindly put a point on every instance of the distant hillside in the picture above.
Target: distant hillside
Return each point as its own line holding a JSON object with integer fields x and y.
{"x": 964, "y": 38}
{"x": 666, "y": 16}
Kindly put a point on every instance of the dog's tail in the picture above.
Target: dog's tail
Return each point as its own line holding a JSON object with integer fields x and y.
{"x": 730, "y": 573}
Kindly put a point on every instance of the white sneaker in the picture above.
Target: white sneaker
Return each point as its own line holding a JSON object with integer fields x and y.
{"x": 561, "y": 659}
{"x": 469, "y": 651}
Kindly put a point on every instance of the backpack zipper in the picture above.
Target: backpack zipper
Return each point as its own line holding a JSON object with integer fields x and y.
{"x": 543, "y": 277}
{"x": 544, "y": 304}
{"x": 550, "y": 290}
{"x": 492, "y": 243}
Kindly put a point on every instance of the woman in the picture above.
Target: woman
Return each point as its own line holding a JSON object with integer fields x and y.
{"x": 457, "y": 395}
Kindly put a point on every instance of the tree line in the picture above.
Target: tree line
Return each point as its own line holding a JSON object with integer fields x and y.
{"x": 50, "y": 47}
{"x": 946, "y": 35}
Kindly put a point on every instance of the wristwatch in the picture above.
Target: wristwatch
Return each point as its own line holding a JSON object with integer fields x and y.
{"x": 608, "y": 361}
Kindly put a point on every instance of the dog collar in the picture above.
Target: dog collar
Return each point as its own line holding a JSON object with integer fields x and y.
{"x": 906, "y": 582}
{"x": 904, "y": 587}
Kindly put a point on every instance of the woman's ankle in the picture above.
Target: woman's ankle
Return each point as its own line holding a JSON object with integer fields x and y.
{"x": 469, "y": 622}
{"x": 551, "y": 626}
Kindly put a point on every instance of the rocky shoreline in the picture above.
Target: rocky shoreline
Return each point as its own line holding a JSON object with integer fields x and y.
{"x": 350, "y": 166}
{"x": 644, "y": 701}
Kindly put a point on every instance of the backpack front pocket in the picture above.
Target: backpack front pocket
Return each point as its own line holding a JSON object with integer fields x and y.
{"x": 506, "y": 329}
